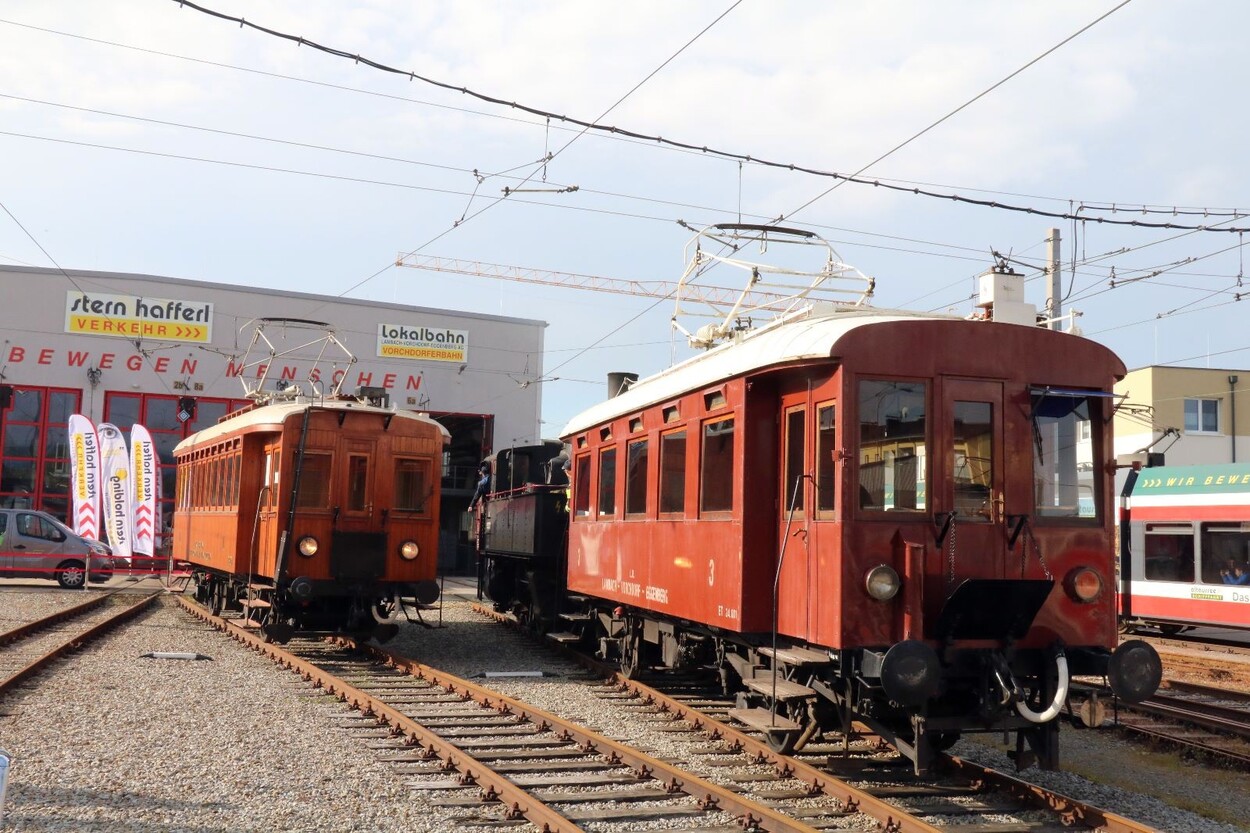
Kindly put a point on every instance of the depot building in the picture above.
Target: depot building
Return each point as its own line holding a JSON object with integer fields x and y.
{"x": 176, "y": 355}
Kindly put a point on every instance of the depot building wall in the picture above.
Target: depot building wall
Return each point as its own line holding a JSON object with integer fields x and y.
{"x": 170, "y": 354}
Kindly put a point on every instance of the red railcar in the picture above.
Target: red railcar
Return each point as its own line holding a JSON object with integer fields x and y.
{"x": 312, "y": 514}
{"x": 904, "y": 519}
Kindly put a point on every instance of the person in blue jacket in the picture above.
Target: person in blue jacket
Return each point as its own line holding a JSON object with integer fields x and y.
{"x": 1235, "y": 573}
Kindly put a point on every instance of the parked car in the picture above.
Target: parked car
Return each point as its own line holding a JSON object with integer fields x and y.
{"x": 34, "y": 544}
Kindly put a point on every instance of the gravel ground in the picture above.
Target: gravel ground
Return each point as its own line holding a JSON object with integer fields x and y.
{"x": 112, "y": 742}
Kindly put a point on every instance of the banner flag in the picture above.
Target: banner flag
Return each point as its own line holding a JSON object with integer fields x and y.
{"x": 115, "y": 476}
{"x": 143, "y": 498}
{"x": 84, "y": 462}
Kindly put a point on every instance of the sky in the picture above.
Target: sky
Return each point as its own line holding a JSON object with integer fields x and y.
{"x": 148, "y": 137}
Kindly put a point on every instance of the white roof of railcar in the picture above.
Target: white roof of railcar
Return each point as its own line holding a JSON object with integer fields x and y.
{"x": 276, "y": 414}
{"x": 807, "y": 335}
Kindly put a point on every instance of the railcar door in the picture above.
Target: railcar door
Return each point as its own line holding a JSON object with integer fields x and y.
{"x": 969, "y": 503}
{"x": 797, "y": 603}
{"x": 359, "y": 493}
{"x": 265, "y": 560}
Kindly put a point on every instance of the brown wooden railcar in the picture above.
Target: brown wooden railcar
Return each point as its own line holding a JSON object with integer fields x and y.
{"x": 917, "y": 511}
{"x": 312, "y": 515}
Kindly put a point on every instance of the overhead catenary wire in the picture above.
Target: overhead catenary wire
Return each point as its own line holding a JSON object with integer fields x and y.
{"x": 594, "y": 125}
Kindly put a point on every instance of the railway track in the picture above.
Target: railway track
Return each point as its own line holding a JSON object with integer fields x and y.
{"x": 855, "y": 773}
{"x": 1206, "y": 720}
{"x": 29, "y": 648}
{"x": 503, "y": 760}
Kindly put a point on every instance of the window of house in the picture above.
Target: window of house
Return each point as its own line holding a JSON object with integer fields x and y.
{"x": 607, "y": 482}
{"x": 636, "y": 478}
{"x": 1202, "y": 415}
{"x": 716, "y": 475}
{"x": 673, "y": 472}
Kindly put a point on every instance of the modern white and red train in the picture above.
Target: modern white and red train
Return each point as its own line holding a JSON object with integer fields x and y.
{"x": 1185, "y": 547}
{"x": 900, "y": 519}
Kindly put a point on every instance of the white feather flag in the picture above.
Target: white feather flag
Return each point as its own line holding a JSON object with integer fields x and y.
{"x": 115, "y": 474}
{"x": 143, "y": 498}
{"x": 84, "y": 461}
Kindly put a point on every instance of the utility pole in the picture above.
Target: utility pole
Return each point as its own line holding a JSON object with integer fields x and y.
{"x": 1054, "y": 289}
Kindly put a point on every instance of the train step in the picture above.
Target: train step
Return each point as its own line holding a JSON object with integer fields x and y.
{"x": 797, "y": 656}
{"x": 257, "y": 603}
{"x": 577, "y": 617}
{"x": 786, "y": 690}
{"x": 250, "y": 624}
{"x": 256, "y": 586}
{"x": 764, "y": 720}
{"x": 564, "y": 637}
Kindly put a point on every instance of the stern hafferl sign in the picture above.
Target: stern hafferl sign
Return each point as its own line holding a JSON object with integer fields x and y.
{"x": 135, "y": 316}
{"x": 421, "y": 343}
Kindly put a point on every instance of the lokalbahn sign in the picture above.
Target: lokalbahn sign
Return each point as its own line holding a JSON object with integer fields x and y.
{"x": 135, "y": 316}
{"x": 422, "y": 343}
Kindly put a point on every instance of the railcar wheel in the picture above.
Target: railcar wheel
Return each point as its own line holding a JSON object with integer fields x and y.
{"x": 783, "y": 743}
{"x": 1171, "y": 630}
{"x": 630, "y": 648}
{"x": 217, "y": 598}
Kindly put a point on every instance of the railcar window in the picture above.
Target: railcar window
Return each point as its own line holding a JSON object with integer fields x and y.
{"x": 581, "y": 485}
{"x": 892, "y": 443}
{"x": 972, "y": 459}
{"x": 1063, "y": 463}
{"x": 673, "y": 472}
{"x": 1225, "y": 549}
{"x": 716, "y": 478}
{"x": 234, "y": 479}
{"x": 314, "y": 482}
{"x": 636, "y": 479}
{"x": 826, "y": 449}
{"x": 796, "y": 432}
{"x": 357, "y": 482}
{"x": 412, "y": 485}
{"x": 1169, "y": 552}
{"x": 607, "y": 482}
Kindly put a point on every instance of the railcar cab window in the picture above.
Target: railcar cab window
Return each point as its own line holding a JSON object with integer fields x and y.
{"x": 315, "y": 482}
{"x": 413, "y": 485}
{"x": 826, "y": 460}
{"x": 636, "y": 478}
{"x": 716, "y": 476}
{"x": 1063, "y": 463}
{"x": 607, "y": 482}
{"x": 1169, "y": 552}
{"x": 673, "y": 472}
{"x": 972, "y": 460}
{"x": 581, "y": 485}
{"x": 796, "y": 432}
{"x": 892, "y": 445}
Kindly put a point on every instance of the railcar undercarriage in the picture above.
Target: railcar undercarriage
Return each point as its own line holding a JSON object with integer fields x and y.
{"x": 366, "y": 610}
{"x": 919, "y": 701}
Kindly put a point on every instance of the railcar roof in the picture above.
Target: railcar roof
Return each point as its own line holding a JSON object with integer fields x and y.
{"x": 276, "y": 414}
{"x": 811, "y": 334}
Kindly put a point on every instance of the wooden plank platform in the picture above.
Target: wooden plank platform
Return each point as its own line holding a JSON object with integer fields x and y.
{"x": 786, "y": 690}
{"x": 796, "y": 656}
{"x": 764, "y": 720}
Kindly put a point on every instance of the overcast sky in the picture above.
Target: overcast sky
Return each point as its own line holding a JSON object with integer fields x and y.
{"x": 138, "y": 136}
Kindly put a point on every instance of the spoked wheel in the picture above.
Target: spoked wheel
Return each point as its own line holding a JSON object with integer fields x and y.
{"x": 630, "y": 648}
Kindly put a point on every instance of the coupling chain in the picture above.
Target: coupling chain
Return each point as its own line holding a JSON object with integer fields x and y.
{"x": 950, "y": 576}
{"x": 1029, "y": 539}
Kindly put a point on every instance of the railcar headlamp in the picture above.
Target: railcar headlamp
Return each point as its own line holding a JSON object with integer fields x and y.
{"x": 1083, "y": 584}
{"x": 308, "y": 546}
{"x": 409, "y": 550}
{"x": 882, "y": 582}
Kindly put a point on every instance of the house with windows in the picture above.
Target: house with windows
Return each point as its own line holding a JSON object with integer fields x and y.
{"x": 1189, "y": 414}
